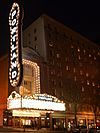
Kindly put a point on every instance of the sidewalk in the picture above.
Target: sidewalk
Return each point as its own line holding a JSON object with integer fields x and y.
{"x": 13, "y": 129}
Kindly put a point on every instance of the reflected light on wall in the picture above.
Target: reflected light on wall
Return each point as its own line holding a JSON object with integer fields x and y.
{"x": 36, "y": 74}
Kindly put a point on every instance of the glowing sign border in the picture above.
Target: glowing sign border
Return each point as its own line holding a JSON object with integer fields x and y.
{"x": 15, "y": 42}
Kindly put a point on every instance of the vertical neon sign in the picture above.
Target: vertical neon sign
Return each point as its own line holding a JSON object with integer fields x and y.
{"x": 15, "y": 45}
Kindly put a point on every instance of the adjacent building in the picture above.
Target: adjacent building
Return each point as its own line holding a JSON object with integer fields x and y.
{"x": 3, "y": 86}
{"x": 71, "y": 64}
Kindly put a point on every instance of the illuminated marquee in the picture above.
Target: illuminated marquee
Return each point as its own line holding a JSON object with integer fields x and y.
{"x": 15, "y": 44}
{"x": 32, "y": 102}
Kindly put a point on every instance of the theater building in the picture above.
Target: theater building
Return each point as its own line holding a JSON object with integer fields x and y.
{"x": 27, "y": 104}
{"x": 52, "y": 77}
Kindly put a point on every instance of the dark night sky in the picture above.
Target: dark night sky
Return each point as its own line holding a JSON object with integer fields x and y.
{"x": 81, "y": 16}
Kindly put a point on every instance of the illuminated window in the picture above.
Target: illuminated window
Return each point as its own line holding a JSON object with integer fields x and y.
{"x": 79, "y": 57}
{"x": 67, "y": 68}
{"x": 98, "y": 86}
{"x": 98, "y": 53}
{"x": 75, "y": 78}
{"x": 87, "y": 74}
{"x": 94, "y": 58}
{"x": 27, "y": 87}
{"x": 78, "y": 50}
{"x": 88, "y": 82}
{"x": 84, "y": 51}
{"x": 58, "y": 55}
{"x": 74, "y": 70}
{"x": 93, "y": 84}
{"x": 89, "y": 55}
{"x": 72, "y": 46}
{"x": 51, "y": 72}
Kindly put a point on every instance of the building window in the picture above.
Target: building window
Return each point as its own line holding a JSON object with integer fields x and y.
{"x": 35, "y": 38}
{"x": 51, "y": 53}
{"x": 80, "y": 64}
{"x": 66, "y": 59}
{"x": 93, "y": 84}
{"x": 81, "y": 72}
{"x": 52, "y": 62}
{"x": 75, "y": 78}
{"x": 67, "y": 68}
{"x": 79, "y": 57}
{"x": 50, "y": 43}
{"x": 84, "y": 51}
{"x": 91, "y": 62}
{"x": 49, "y": 27}
{"x": 35, "y": 30}
{"x": 29, "y": 42}
{"x": 98, "y": 86}
{"x": 25, "y": 82}
{"x": 88, "y": 82}
{"x": 94, "y": 58}
{"x": 82, "y": 89}
{"x": 78, "y": 50}
{"x": 60, "y": 83}
{"x": 89, "y": 55}
{"x": 93, "y": 51}
{"x": 87, "y": 74}
{"x": 55, "y": 92}
{"x": 51, "y": 72}
{"x": 59, "y": 73}
{"x": 36, "y": 46}
{"x": 53, "y": 82}
{"x": 57, "y": 55}
{"x": 98, "y": 53}
{"x": 74, "y": 70}
{"x": 72, "y": 46}
{"x": 29, "y": 34}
